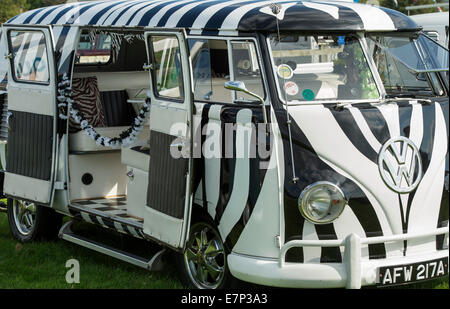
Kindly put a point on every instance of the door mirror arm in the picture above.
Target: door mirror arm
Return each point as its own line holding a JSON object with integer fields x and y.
{"x": 240, "y": 86}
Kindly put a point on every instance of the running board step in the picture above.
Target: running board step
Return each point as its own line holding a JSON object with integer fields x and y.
{"x": 154, "y": 264}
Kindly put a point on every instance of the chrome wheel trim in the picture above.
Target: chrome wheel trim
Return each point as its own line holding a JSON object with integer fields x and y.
{"x": 24, "y": 216}
{"x": 204, "y": 258}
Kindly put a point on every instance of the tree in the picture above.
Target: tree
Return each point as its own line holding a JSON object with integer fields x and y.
{"x": 33, "y": 4}
{"x": 11, "y": 8}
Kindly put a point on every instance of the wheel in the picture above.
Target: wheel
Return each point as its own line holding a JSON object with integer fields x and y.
{"x": 204, "y": 262}
{"x": 30, "y": 222}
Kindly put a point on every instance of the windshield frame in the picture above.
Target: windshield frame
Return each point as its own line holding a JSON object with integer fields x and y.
{"x": 371, "y": 65}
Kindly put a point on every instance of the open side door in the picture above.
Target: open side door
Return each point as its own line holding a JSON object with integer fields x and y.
{"x": 169, "y": 193}
{"x": 32, "y": 143}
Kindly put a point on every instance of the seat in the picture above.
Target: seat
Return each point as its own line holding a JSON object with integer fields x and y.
{"x": 110, "y": 107}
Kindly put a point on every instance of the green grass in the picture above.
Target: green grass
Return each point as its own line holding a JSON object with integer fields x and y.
{"x": 43, "y": 265}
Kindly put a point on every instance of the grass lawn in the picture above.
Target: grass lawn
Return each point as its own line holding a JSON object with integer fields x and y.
{"x": 43, "y": 265}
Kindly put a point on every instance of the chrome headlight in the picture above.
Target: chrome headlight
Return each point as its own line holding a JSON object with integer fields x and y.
{"x": 322, "y": 202}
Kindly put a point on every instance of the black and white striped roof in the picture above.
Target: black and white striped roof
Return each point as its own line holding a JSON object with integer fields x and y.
{"x": 222, "y": 16}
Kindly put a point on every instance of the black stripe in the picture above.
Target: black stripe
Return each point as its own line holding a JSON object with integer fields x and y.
{"x": 293, "y": 230}
{"x": 148, "y": 15}
{"x": 256, "y": 177}
{"x": 162, "y": 22}
{"x": 429, "y": 128}
{"x": 444, "y": 210}
{"x": 227, "y": 173}
{"x": 216, "y": 20}
{"x": 39, "y": 21}
{"x": 121, "y": 8}
{"x": 347, "y": 123}
{"x": 29, "y": 18}
{"x": 404, "y": 222}
{"x": 85, "y": 6}
{"x": 126, "y": 229}
{"x": 204, "y": 122}
{"x": 445, "y": 110}
{"x": 61, "y": 40}
{"x": 102, "y": 12}
{"x": 136, "y": 12}
{"x": 140, "y": 233}
{"x": 368, "y": 219}
{"x": 377, "y": 124}
{"x": 426, "y": 147}
{"x": 60, "y": 14}
{"x": 94, "y": 219}
{"x": 328, "y": 254}
{"x": 443, "y": 213}
{"x": 124, "y": 10}
{"x": 189, "y": 18}
{"x": 405, "y": 113}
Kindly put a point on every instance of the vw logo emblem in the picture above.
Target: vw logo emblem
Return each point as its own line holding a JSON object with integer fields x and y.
{"x": 400, "y": 165}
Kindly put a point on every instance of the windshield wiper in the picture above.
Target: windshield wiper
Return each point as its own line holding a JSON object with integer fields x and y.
{"x": 405, "y": 97}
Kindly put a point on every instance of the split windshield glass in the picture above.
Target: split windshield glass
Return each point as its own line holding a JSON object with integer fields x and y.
{"x": 409, "y": 63}
{"x": 315, "y": 68}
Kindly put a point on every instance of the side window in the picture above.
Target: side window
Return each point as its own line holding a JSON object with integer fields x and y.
{"x": 210, "y": 62}
{"x": 211, "y": 70}
{"x": 29, "y": 56}
{"x": 167, "y": 73}
{"x": 246, "y": 69}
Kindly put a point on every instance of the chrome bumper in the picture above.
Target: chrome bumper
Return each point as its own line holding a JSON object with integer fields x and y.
{"x": 352, "y": 273}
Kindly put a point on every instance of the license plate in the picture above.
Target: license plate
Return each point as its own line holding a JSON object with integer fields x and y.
{"x": 401, "y": 274}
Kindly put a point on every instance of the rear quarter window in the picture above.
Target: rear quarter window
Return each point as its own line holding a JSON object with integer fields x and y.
{"x": 94, "y": 49}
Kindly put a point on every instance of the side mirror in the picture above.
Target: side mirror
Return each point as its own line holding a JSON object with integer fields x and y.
{"x": 240, "y": 86}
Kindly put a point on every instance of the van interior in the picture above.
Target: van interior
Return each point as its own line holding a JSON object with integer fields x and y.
{"x": 109, "y": 88}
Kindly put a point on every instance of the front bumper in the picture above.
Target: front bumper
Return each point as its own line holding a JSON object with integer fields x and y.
{"x": 353, "y": 272}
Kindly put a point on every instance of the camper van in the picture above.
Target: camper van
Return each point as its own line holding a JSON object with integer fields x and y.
{"x": 293, "y": 144}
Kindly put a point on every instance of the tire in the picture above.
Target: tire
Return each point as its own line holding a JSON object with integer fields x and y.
{"x": 30, "y": 222}
{"x": 205, "y": 266}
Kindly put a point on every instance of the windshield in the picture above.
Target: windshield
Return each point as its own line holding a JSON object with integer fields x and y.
{"x": 321, "y": 68}
{"x": 409, "y": 64}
